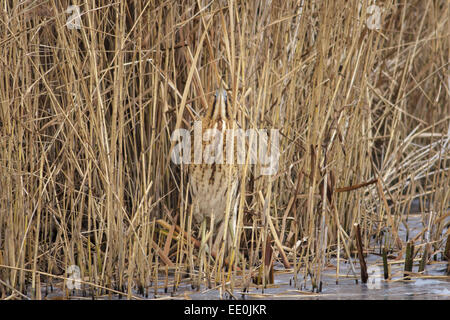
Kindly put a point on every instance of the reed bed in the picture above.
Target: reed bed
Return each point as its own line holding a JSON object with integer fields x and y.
{"x": 87, "y": 116}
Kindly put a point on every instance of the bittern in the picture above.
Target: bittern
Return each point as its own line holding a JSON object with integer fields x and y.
{"x": 212, "y": 184}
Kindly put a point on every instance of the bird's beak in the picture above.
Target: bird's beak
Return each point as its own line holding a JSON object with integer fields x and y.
{"x": 220, "y": 106}
{"x": 222, "y": 102}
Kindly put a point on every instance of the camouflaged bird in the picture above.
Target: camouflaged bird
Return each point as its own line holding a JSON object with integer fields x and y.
{"x": 210, "y": 182}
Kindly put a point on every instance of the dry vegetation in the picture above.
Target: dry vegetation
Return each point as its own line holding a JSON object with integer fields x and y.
{"x": 87, "y": 114}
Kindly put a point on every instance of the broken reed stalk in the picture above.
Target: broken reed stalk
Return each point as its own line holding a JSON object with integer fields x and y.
{"x": 385, "y": 264}
{"x": 268, "y": 262}
{"x": 161, "y": 254}
{"x": 424, "y": 260}
{"x": 409, "y": 259}
{"x": 356, "y": 186}
{"x": 362, "y": 261}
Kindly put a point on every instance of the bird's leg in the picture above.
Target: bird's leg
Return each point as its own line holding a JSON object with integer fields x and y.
{"x": 211, "y": 227}
{"x": 202, "y": 235}
{"x": 228, "y": 238}
{"x": 209, "y": 237}
{"x": 203, "y": 247}
{"x": 232, "y": 224}
{"x": 232, "y": 230}
{"x": 219, "y": 237}
{"x": 205, "y": 237}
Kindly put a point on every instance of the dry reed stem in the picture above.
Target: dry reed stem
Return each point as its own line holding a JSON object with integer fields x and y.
{"x": 86, "y": 118}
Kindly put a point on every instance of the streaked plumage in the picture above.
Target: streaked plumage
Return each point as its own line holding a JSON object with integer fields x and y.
{"x": 209, "y": 182}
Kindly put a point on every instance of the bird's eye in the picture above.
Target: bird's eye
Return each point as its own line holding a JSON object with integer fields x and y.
{"x": 221, "y": 92}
